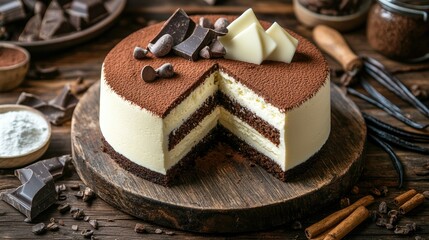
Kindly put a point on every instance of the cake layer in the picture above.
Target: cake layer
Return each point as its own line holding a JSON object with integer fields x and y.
{"x": 192, "y": 139}
{"x": 250, "y": 118}
{"x": 193, "y": 121}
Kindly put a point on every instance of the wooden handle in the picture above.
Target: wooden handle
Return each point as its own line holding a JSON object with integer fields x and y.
{"x": 331, "y": 41}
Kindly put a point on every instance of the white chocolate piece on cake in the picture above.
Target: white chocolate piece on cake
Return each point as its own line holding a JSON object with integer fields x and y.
{"x": 240, "y": 24}
{"x": 252, "y": 45}
{"x": 286, "y": 44}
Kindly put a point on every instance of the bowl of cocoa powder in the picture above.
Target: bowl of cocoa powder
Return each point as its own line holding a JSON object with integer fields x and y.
{"x": 343, "y": 16}
{"x": 14, "y": 63}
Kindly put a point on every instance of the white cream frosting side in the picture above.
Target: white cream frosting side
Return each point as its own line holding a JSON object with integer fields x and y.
{"x": 127, "y": 127}
{"x": 307, "y": 127}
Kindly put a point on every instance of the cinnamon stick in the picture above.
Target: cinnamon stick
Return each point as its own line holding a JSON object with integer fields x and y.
{"x": 336, "y": 217}
{"x": 412, "y": 203}
{"x": 348, "y": 224}
{"x": 322, "y": 235}
{"x": 401, "y": 199}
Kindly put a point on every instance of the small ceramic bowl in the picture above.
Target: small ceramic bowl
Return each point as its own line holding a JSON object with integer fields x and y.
{"x": 341, "y": 23}
{"x": 31, "y": 156}
{"x": 11, "y": 76}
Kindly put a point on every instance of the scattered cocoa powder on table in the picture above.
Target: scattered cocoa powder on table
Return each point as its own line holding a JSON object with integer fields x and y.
{"x": 9, "y": 56}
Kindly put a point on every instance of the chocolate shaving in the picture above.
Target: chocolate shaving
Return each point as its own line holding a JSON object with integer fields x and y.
{"x": 37, "y": 191}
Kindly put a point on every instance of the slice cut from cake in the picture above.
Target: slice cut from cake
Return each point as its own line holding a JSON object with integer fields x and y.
{"x": 276, "y": 114}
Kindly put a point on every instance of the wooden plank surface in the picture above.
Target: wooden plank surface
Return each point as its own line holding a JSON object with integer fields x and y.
{"x": 85, "y": 60}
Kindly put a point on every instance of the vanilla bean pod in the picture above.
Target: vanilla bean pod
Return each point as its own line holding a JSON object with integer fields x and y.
{"x": 378, "y": 96}
{"x": 394, "y": 114}
{"x": 395, "y": 159}
{"x": 397, "y": 141}
{"x": 410, "y": 136}
{"x": 389, "y": 80}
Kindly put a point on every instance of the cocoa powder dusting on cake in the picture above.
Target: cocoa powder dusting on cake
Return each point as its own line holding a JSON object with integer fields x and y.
{"x": 283, "y": 85}
{"x": 10, "y": 57}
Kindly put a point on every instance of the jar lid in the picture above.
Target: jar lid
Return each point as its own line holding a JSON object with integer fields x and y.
{"x": 414, "y": 8}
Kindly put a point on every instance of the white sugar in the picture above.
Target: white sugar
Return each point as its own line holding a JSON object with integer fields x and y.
{"x": 21, "y": 132}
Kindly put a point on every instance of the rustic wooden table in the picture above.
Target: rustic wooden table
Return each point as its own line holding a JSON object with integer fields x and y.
{"x": 85, "y": 60}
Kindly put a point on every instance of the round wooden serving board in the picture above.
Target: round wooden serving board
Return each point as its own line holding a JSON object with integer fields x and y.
{"x": 225, "y": 193}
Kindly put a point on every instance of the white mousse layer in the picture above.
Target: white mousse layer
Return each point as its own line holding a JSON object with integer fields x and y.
{"x": 142, "y": 137}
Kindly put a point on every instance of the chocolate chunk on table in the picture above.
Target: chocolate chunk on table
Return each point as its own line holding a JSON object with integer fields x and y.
{"x": 179, "y": 26}
{"x": 58, "y": 110}
{"x": 190, "y": 48}
{"x": 37, "y": 191}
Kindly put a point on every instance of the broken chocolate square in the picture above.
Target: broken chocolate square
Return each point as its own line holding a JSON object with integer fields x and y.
{"x": 54, "y": 22}
{"x": 58, "y": 110}
{"x": 90, "y": 11}
{"x": 32, "y": 29}
{"x": 37, "y": 191}
{"x": 179, "y": 26}
{"x": 190, "y": 48}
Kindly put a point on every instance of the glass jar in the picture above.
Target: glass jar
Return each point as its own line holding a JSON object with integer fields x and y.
{"x": 399, "y": 29}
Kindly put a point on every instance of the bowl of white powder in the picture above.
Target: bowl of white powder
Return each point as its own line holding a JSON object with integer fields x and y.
{"x": 25, "y": 135}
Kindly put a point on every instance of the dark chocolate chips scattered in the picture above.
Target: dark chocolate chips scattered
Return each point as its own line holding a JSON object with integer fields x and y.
{"x": 139, "y": 53}
{"x": 149, "y": 74}
{"x": 63, "y": 208}
{"x": 39, "y": 228}
{"x": 162, "y": 46}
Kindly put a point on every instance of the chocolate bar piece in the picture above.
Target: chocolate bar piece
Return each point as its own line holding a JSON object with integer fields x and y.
{"x": 12, "y": 10}
{"x": 31, "y": 30}
{"x": 37, "y": 191}
{"x": 54, "y": 22}
{"x": 190, "y": 48}
{"x": 30, "y": 100}
{"x": 91, "y": 11}
{"x": 58, "y": 110}
{"x": 179, "y": 26}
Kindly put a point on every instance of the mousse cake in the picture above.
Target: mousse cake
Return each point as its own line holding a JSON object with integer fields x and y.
{"x": 276, "y": 114}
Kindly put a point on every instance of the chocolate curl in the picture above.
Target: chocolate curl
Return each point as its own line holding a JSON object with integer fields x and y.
{"x": 328, "y": 222}
{"x": 37, "y": 191}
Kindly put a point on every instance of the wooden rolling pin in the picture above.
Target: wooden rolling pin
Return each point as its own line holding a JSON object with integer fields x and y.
{"x": 333, "y": 43}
